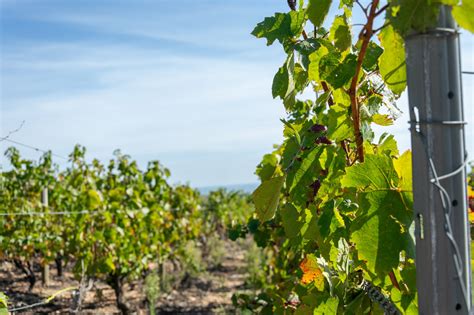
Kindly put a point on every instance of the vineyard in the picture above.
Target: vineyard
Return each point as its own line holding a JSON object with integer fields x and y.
{"x": 113, "y": 224}
{"x": 330, "y": 229}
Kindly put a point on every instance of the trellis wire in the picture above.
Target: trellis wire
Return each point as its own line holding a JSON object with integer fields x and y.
{"x": 446, "y": 203}
{"x": 43, "y": 302}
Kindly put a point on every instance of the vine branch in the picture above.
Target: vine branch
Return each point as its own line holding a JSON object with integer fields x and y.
{"x": 365, "y": 34}
{"x": 394, "y": 280}
{"x": 382, "y": 9}
{"x": 382, "y": 27}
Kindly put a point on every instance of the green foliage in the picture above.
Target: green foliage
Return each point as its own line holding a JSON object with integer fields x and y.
{"x": 463, "y": 15}
{"x": 392, "y": 61}
{"x": 152, "y": 290}
{"x": 406, "y": 15}
{"x": 325, "y": 192}
{"x": 223, "y": 209}
{"x": 216, "y": 251}
{"x": 420, "y": 15}
{"x": 257, "y": 267}
{"x": 192, "y": 260}
{"x": 280, "y": 27}
{"x": 119, "y": 220}
{"x": 266, "y": 197}
{"x": 317, "y": 11}
{"x": 3, "y": 304}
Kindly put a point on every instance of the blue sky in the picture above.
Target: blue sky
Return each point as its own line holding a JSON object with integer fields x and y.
{"x": 178, "y": 81}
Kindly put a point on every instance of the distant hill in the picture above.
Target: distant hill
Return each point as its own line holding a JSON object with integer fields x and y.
{"x": 248, "y": 188}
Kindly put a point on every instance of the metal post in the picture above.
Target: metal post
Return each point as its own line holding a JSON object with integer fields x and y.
{"x": 437, "y": 128}
{"x": 45, "y": 267}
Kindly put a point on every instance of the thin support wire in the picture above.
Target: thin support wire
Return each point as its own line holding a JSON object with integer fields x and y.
{"x": 30, "y": 147}
{"x": 6, "y": 214}
{"x": 43, "y": 302}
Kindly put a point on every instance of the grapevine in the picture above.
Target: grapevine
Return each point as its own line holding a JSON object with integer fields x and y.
{"x": 113, "y": 223}
{"x": 335, "y": 201}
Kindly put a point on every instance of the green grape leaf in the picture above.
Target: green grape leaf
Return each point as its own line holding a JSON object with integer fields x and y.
{"x": 327, "y": 307}
{"x": 405, "y": 301}
{"x": 406, "y": 15}
{"x": 380, "y": 231}
{"x": 300, "y": 77}
{"x": 336, "y": 73}
{"x": 388, "y": 145}
{"x": 310, "y": 229}
{"x": 303, "y": 174}
{"x": 297, "y": 19}
{"x": 340, "y": 33}
{"x": 464, "y": 13}
{"x": 289, "y": 218}
{"x": 284, "y": 82}
{"x": 403, "y": 167}
{"x": 377, "y": 239}
{"x": 281, "y": 82}
{"x": 339, "y": 123}
{"x": 375, "y": 173}
{"x": 330, "y": 220}
{"x": 408, "y": 275}
{"x": 382, "y": 120}
{"x": 267, "y": 196}
{"x": 314, "y": 60}
{"x": 281, "y": 27}
{"x": 317, "y": 11}
{"x": 371, "y": 56}
{"x": 392, "y": 61}
{"x": 267, "y": 167}
{"x": 277, "y": 27}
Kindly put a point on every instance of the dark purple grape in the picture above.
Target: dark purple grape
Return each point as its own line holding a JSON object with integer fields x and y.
{"x": 323, "y": 140}
{"x": 318, "y": 128}
{"x": 292, "y": 4}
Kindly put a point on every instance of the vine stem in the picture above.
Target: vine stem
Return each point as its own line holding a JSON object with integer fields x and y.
{"x": 365, "y": 34}
{"x": 394, "y": 280}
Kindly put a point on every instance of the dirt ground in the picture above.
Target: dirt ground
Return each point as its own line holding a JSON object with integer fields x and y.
{"x": 210, "y": 293}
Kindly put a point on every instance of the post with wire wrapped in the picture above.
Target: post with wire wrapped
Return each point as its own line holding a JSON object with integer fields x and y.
{"x": 45, "y": 265}
{"x": 439, "y": 173}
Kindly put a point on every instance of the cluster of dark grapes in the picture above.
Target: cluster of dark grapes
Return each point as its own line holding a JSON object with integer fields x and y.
{"x": 322, "y": 139}
{"x": 320, "y": 130}
{"x": 377, "y": 297}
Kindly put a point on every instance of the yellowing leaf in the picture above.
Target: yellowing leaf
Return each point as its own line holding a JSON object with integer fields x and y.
{"x": 94, "y": 199}
{"x": 403, "y": 167}
{"x": 463, "y": 15}
{"x": 471, "y": 217}
{"x": 392, "y": 61}
{"x": 382, "y": 120}
{"x": 312, "y": 272}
